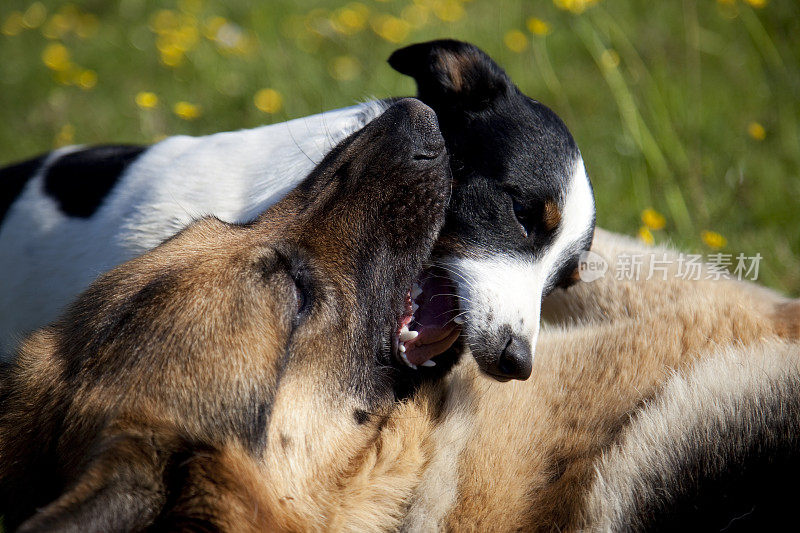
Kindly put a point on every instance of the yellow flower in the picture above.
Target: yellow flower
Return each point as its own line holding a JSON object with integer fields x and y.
{"x": 645, "y": 236}
{"x": 171, "y": 56}
{"x": 609, "y": 59}
{"x": 756, "y": 131}
{"x": 146, "y": 100}
{"x": 344, "y": 68}
{"x": 416, "y": 16}
{"x": 186, "y": 37}
{"x": 653, "y": 219}
{"x": 87, "y": 79}
{"x": 448, "y": 10}
{"x": 538, "y": 26}
{"x": 87, "y": 26}
{"x": 56, "y": 27}
{"x": 390, "y": 28}
{"x": 350, "y": 19}
{"x": 71, "y": 13}
{"x": 65, "y": 136}
{"x": 212, "y": 26}
{"x": 186, "y": 111}
{"x": 268, "y": 100}
{"x": 163, "y": 21}
{"x": 714, "y": 239}
{"x": 758, "y": 4}
{"x": 165, "y": 41}
{"x": 574, "y": 6}
{"x": 56, "y": 57}
{"x": 68, "y": 76}
{"x": 34, "y": 16}
{"x": 13, "y": 24}
{"x": 515, "y": 41}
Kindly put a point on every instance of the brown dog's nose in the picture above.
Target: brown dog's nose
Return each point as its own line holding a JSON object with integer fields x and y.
{"x": 427, "y": 140}
{"x": 514, "y": 362}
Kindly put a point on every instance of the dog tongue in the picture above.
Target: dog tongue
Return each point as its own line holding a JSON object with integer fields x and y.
{"x": 433, "y": 320}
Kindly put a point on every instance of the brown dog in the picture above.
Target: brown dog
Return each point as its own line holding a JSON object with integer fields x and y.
{"x": 231, "y": 355}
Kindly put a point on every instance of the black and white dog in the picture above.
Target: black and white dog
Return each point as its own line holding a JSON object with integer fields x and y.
{"x": 521, "y": 209}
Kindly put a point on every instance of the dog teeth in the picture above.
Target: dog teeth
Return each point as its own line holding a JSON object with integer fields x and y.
{"x": 405, "y": 359}
{"x": 415, "y": 290}
{"x": 458, "y": 320}
{"x": 407, "y": 335}
{"x": 429, "y": 363}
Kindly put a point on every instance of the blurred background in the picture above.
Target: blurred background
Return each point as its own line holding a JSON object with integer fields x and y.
{"x": 687, "y": 112}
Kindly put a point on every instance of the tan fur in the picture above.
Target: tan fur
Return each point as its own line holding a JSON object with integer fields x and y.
{"x": 452, "y": 65}
{"x": 702, "y": 409}
{"x": 529, "y": 459}
{"x": 522, "y": 455}
{"x": 787, "y": 320}
{"x": 370, "y": 495}
{"x": 468, "y": 453}
{"x": 551, "y": 215}
{"x": 437, "y": 490}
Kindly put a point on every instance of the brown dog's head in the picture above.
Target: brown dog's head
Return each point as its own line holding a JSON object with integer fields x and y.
{"x": 269, "y": 342}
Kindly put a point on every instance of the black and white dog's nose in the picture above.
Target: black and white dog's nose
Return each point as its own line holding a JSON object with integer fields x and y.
{"x": 514, "y": 362}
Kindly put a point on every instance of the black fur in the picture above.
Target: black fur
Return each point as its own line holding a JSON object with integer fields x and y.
{"x": 13, "y": 179}
{"x": 509, "y": 154}
{"x": 81, "y": 180}
{"x": 739, "y": 476}
{"x": 361, "y": 416}
{"x": 505, "y": 149}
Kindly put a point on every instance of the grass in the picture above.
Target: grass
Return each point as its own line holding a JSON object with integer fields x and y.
{"x": 689, "y": 108}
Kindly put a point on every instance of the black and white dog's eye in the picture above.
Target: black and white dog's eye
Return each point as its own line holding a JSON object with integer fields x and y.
{"x": 523, "y": 216}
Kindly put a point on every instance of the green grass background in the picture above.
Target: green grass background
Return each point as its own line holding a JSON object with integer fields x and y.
{"x": 689, "y": 107}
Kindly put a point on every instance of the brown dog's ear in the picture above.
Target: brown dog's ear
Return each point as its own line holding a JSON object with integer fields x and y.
{"x": 452, "y": 74}
{"x": 120, "y": 489}
{"x": 217, "y": 490}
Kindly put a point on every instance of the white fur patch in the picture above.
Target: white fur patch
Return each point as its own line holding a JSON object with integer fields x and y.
{"x": 437, "y": 491}
{"x": 48, "y": 258}
{"x": 506, "y": 291}
{"x": 500, "y": 292}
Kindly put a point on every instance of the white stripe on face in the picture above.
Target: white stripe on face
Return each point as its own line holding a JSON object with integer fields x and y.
{"x": 502, "y": 294}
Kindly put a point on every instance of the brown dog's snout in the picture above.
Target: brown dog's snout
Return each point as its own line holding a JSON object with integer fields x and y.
{"x": 422, "y": 125}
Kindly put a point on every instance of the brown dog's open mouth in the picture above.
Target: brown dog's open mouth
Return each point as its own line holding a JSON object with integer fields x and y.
{"x": 430, "y": 323}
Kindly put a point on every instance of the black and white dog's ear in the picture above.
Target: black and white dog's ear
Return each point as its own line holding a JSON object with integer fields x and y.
{"x": 452, "y": 74}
